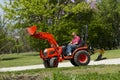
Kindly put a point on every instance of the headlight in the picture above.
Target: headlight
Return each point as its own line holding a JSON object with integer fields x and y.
{"x": 45, "y": 52}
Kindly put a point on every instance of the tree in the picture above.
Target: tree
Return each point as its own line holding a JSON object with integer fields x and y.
{"x": 5, "y": 40}
{"x": 61, "y": 17}
{"x": 105, "y": 25}
{"x": 51, "y": 16}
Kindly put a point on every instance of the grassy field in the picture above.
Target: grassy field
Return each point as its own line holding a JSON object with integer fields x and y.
{"x": 109, "y": 54}
{"x": 101, "y": 72}
{"x": 32, "y": 58}
{"x": 22, "y": 59}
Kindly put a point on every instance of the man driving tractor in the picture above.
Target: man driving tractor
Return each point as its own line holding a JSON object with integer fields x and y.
{"x": 80, "y": 55}
{"x": 73, "y": 44}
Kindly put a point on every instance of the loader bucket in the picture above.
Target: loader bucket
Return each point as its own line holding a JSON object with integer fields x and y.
{"x": 31, "y": 30}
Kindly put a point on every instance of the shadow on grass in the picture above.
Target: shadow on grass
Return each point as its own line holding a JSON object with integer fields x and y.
{"x": 6, "y": 59}
{"x": 32, "y": 55}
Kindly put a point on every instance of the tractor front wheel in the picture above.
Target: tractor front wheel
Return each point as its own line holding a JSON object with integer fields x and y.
{"x": 82, "y": 58}
{"x": 46, "y": 63}
{"x": 54, "y": 62}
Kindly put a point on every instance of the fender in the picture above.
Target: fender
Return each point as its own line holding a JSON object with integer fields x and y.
{"x": 81, "y": 48}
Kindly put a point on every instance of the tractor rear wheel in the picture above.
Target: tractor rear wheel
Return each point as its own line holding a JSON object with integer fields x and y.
{"x": 82, "y": 58}
{"x": 73, "y": 62}
{"x": 46, "y": 63}
{"x": 54, "y": 62}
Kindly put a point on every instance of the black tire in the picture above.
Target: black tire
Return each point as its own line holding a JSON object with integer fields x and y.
{"x": 46, "y": 63}
{"x": 82, "y": 58}
{"x": 53, "y": 62}
{"x": 73, "y": 62}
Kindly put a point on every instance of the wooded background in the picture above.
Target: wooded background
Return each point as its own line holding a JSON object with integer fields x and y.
{"x": 61, "y": 18}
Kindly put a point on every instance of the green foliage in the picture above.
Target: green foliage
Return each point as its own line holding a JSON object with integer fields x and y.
{"x": 55, "y": 18}
{"x": 105, "y": 25}
{"x": 61, "y": 18}
{"x": 5, "y": 41}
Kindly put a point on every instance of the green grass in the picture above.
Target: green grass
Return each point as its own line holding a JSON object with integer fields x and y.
{"x": 108, "y": 54}
{"x": 101, "y": 72}
{"x": 23, "y": 59}
{"x": 32, "y": 58}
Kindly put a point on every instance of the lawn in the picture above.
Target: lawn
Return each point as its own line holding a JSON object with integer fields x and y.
{"x": 101, "y": 72}
{"x": 21, "y": 59}
{"x": 108, "y": 54}
{"x": 32, "y": 58}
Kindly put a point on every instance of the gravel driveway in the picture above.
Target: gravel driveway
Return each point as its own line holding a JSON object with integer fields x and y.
{"x": 63, "y": 64}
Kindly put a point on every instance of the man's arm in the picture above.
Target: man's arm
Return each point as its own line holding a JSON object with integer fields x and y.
{"x": 75, "y": 43}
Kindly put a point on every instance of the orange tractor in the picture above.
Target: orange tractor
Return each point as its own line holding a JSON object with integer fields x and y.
{"x": 55, "y": 54}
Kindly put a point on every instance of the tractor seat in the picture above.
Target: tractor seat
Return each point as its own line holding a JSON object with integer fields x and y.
{"x": 81, "y": 44}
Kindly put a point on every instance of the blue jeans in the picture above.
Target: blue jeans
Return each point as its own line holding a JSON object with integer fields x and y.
{"x": 70, "y": 48}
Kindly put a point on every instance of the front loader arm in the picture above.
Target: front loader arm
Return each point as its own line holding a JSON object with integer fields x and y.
{"x": 42, "y": 35}
{"x": 46, "y": 36}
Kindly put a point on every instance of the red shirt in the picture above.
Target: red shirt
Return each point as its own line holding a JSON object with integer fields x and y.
{"x": 76, "y": 39}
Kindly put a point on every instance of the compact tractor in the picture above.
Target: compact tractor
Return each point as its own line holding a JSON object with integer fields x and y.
{"x": 55, "y": 54}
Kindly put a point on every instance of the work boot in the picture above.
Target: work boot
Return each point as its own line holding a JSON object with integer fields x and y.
{"x": 69, "y": 54}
